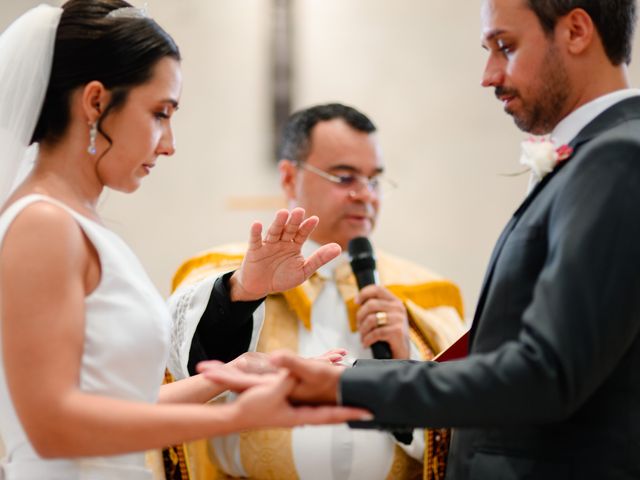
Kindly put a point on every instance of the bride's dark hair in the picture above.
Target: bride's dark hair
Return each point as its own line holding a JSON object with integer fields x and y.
{"x": 118, "y": 51}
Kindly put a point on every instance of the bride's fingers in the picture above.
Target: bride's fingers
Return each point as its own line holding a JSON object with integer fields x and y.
{"x": 282, "y": 384}
{"x": 235, "y": 380}
{"x": 203, "y": 366}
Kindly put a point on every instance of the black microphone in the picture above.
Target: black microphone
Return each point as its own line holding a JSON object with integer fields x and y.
{"x": 363, "y": 264}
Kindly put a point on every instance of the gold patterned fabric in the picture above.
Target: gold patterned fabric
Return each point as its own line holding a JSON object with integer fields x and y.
{"x": 170, "y": 463}
{"x": 435, "y": 310}
{"x": 267, "y": 455}
{"x": 435, "y": 454}
{"x": 404, "y": 467}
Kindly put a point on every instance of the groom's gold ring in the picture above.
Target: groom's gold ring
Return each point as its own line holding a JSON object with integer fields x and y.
{"x": 381, "y": 319}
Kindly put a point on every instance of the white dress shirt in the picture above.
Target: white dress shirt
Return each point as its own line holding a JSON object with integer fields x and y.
{"x": 337, "y": 452}
{"x": 573, "y": 123}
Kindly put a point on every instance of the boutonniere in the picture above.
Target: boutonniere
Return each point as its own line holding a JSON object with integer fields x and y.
{"x": 541, "y": 156}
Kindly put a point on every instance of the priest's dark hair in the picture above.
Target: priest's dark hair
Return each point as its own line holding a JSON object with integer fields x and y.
{"x": 296, "y": 136}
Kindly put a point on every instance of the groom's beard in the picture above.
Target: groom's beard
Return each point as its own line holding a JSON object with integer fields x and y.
{"x": 543, "y": 107}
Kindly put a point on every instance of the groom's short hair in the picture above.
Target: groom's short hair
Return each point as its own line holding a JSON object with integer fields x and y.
{"x": 614, "y": 19}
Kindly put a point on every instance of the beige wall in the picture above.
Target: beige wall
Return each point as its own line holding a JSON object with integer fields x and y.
{"x": 413, "y": 65}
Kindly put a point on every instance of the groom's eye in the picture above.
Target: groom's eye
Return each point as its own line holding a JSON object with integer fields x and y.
{"x": 504, "y": 47}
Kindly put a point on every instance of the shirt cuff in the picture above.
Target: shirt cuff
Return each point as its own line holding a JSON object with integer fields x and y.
{"x": 240, "y": 312}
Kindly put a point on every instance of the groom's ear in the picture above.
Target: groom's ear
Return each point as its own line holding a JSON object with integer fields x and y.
{"x": 95, "y": 98}
{"x": 577, "y": 31}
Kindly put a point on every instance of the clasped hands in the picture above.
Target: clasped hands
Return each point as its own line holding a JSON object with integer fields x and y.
{"x": 273, "y": 264}
{"x": 283, "y": 390}
{"x": 314, "y": 381}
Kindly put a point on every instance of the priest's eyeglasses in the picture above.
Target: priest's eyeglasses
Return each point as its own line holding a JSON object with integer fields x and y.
{"x": 353, "y": 182}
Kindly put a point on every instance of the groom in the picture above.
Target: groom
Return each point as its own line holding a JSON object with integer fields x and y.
{"x": 551, "y": 386}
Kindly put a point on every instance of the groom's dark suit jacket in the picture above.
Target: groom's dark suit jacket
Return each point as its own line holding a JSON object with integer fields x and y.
{"x": 551, "y": 388}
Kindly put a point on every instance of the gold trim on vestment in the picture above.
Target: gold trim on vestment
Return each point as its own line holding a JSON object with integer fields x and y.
{"x": 302, "y": 297}
{"x": 199, "y": 267}
{"x": 421, "y": 293}
{"x": 404, "y": 467}
{"x": 268, "y": 454}
{"x": 427, "y": 295}
{"x": 174, "y": 459}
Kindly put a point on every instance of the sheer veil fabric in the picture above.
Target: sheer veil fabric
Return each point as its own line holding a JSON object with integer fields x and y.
{"x": 26, "y": 55}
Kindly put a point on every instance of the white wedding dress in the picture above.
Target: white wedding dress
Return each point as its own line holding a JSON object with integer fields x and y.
{"x": 127, "y": 329}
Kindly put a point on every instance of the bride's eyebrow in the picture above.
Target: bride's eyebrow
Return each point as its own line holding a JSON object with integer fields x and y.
{"x": 172, "y": 102}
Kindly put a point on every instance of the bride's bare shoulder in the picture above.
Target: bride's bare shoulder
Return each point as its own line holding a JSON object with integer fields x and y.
{"x": 43, "y": 228}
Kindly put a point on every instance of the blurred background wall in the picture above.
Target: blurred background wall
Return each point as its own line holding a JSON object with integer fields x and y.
{"x": 414, "y": 66}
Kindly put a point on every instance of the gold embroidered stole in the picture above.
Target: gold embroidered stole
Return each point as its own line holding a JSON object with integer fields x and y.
{"x": 268, "y": 454}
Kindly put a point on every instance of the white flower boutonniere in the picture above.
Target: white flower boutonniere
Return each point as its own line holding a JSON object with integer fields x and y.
{"x": 541, "y": 156}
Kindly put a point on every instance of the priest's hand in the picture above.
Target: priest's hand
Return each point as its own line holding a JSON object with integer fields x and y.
{"x": 332, "y": 357}
{"x": 382, "y": 317}
{"x": 275, "y": 263}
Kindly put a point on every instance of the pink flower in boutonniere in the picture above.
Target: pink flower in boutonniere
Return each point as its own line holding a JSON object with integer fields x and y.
{"x": 541, "y": 156}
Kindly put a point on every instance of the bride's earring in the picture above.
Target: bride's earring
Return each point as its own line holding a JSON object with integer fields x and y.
{"x": 93, "y": 134}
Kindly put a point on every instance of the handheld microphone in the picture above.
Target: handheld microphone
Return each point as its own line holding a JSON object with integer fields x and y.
{"x": 363, "y": 264}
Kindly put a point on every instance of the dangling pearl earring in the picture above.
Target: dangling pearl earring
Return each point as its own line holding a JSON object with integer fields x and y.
{"x": 93, "y": 134}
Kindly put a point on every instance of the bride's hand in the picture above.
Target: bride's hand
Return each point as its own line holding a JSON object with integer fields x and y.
{"x": 265, "y": 405}
{"x": 251, "y": 362}
{"x": 275, "y": 263}
{"x": 254, "y": 368}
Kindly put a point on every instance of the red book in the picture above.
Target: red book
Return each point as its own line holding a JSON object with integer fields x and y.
{"x": 458, "y": 349}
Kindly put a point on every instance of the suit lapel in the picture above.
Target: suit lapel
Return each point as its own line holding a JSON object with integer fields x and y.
{"x": 489, "y": 275}
{"x": 619, "y": 112}
{"x": 503, "y": 239}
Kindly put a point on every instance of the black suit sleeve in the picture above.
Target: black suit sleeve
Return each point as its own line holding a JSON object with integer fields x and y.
{"x": 224, "y": 331}
{"x": 579, "y": 325}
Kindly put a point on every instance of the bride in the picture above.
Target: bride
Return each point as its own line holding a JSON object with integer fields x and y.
{"x": 84, "y": 334}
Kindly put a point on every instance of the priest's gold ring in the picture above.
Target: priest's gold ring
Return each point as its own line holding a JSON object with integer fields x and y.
{"x": 381, "y": 319}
